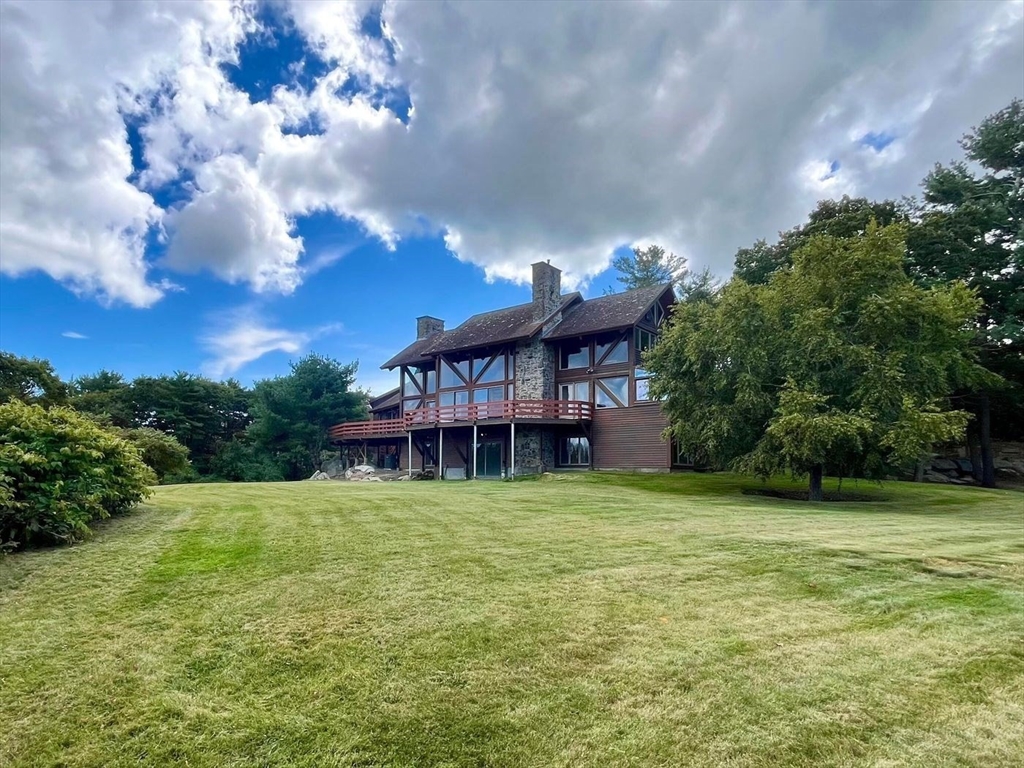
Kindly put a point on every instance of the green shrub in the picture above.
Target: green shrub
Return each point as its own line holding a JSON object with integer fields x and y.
{"x": 59, "y": 471}
{"x": 161, "y": 452}
{"x": 239, "y": 461}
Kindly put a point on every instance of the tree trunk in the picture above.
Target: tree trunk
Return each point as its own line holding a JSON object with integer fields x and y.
{"x": 988, "y": 469}
{"x": 815, "y": 493}
{"x": 974, "y": 450}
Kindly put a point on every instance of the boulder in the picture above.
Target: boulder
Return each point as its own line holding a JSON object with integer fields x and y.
{"x": 943, "y": 465}
{"x": 366, "y": 469}
{"x": 934, "y": 477}
{"x": 964, "y": 466}
{"x": 318, "y": 475}
{"x": 333, "y": 468}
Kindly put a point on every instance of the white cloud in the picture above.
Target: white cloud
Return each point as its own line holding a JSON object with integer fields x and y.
{"x": 240, "y": 337}
{"x": 74, "y": 335}
{"x": 67, "y": 71}
{"x": 235, "y": 228}
{"x": 554, "y": 131}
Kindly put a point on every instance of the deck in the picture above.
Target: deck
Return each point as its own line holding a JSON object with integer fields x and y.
{"x": 503, "y": 411}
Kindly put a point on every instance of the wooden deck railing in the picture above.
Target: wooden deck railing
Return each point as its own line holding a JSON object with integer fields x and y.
{"x": 378, "y": 428}
{"x": 502, "y": 410}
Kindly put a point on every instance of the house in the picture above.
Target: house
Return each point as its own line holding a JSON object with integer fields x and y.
{"x": 551, "y": 384}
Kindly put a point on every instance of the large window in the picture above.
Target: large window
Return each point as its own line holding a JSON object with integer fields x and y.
{"x": 645, "y": 339}
{"x": 679, "y": 457}
{"x": 458, "y": 397}
{"x": 454, "y": 373}
{"x": 643, "y": 384}
{"x": 574, "y": 356}
{"x": 488, "y": 395}
{"x": 419, "y": 380}
{"x": 410, "y": 386}
{"x": 611, "y": 352}
{"x": 574, "y": 452}
{"x": 612, "y": 392}
{"x": 575, "y": 390}
{"x": 493, "y": 372}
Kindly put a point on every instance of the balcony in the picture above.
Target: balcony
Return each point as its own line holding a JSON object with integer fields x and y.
{"x": 358, "y": 430}
{"x": 533, "y": 411}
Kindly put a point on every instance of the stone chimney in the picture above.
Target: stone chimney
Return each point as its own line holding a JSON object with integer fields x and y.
{"x": 428, "y": 326}
{"x": 547, "y": 289}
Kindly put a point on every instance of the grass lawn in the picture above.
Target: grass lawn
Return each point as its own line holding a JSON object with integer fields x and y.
{"x": 586, "y": 620}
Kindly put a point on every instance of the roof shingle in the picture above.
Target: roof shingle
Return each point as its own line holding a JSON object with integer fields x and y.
{"x": 607, "y": 312}
{"x": 500, "y": 326}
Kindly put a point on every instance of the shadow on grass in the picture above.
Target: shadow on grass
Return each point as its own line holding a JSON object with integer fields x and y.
{"x": 795, "y": 495}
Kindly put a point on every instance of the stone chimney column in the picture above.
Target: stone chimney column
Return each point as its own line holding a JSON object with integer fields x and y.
{"x": 547, "y": 289}
{"x": 428, "y": 326}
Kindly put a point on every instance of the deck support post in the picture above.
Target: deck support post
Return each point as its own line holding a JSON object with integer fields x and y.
{"x": 512, "y": 462}
{"x": 440, "y": 453}
{"x": 473, "y": 448}
{"x": 410, "y": 453}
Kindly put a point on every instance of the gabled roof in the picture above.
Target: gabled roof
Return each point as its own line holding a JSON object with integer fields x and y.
{"x": 383, "y": 402}
{"x": 500, "y": 326}
{"x": 607, "y": 313}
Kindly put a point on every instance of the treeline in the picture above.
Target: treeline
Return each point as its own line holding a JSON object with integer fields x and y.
{"x": 189, "y": 427}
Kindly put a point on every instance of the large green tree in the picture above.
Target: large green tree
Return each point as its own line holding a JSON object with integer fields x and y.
{"x": 201, "y": 413}
{"x": 969, "y": 226}
{"x": 105, "y": 394}
{"x": 847, "y": 217}
{"x": 653, "y": 265}
{"x": 293, "y": 413}
{"x": 839, "y": 363}
{"x": 30, "y": 380}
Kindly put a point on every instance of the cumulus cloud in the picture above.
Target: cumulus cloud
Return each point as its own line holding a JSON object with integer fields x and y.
{"x": 68, "y": 74}
{"x": 516, "y": 132}
{"x": 235, "y": 228}
{"x": 238, "y": 338}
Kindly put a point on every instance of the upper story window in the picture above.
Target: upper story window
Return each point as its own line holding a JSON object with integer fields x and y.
{"x": 655, "y": 315}
{"x": 418, "y": 380}
{"x": 643, "y": 387}
{"x": 644, "y": 339}
{"x": 612, "y": 392}
{"x": 612, "y": 352}
{"x": 454, "y": 373}
{"x": 575, "y": 390}
{"x": 574, "y": 355}
{"x": 490, "y": 369}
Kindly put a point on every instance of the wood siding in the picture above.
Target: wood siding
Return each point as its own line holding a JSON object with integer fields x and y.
{"x": 630, "y": 438}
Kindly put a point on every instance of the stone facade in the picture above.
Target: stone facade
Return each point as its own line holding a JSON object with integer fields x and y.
{"x": 428, "y": 326}
{"x": 535, "y": 449}
{"x": 547, "y": 289}
{"x": 535, "y": 370}
{"x": 535, "y": 380}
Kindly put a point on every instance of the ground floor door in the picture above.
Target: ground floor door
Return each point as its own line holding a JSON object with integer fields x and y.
{"x": 489, "y": 456}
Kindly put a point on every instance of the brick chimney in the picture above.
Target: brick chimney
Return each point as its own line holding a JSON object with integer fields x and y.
{"x": 547, "y": 289}
{"x": 428, "y": 326}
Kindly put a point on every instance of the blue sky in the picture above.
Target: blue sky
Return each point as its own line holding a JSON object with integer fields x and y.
{"x": 372, "y": 295}
{"x": 222, "y": 187}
